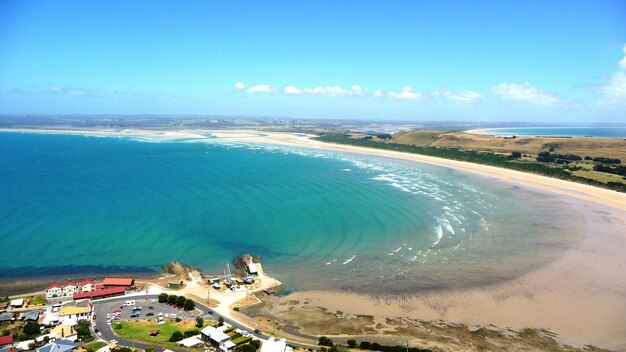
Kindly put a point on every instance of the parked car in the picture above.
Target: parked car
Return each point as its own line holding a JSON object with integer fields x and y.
{"x": 98, "y": 332}
{"x": 150, "y": 314}
{"x": 257, "y": 331}
{"x": 151, "y": 307}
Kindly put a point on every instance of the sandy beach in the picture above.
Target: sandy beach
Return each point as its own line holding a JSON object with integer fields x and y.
{"x": 581, "y": 296}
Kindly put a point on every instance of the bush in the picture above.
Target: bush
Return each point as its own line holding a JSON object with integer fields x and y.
{"x": 352, "y": 343}
{"x": 365, "y": 345}
{"x": 32, "y": 328}
{"x": 163, "y": 298}
{"x": 236, "y": 309}
{"x": 176, "y": 336}
{"x": 171, "y": 299}
{"x": 178, "y": 319}
{"x": 83, "y": 330}
{"x": 325, "y": 341}
{"x": 588, "y": 158}
{"x": 189, "y": 304}
{"x": 515, "y": 155}
{"x": 607, "y": 160}
{"x": 121, "y": 349}
{"x": 220, "y": 321}
{"x": 190, "y": 333}
{"x": 151, "y": 349}
{"x": 180, "y": 301}
{"x": 199, "y": 322}
{"x": 241, "y": 340}
{"x": 255, "y": 343}
{"x": 246, "y": 348}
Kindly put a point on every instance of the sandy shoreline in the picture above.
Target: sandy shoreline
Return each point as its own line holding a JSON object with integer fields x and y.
{"x": 581, "y": 296}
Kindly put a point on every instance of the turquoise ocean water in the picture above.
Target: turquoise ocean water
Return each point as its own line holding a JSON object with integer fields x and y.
{"x": 607, "y": 132}
{"x": 77, "y": 205}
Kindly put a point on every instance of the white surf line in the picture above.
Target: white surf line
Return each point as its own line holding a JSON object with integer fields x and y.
{"x": 349, "y": 260}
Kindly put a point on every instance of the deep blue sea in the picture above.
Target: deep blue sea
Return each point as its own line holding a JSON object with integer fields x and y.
{"x": 77, "y": 206}
{"x": 608, "y": 132}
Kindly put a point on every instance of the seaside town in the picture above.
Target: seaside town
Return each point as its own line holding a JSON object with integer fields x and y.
{"x": 180, "y": 311}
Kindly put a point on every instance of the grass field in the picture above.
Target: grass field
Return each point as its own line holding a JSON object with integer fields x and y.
{"x": 37, "y": 300}
{"x": 606, "y": 147}
{"x": 94, "y": 346}
{"x": 139, "y": 330}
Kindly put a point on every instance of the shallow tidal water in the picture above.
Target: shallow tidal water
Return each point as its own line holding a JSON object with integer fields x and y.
{"x": 77, "y": 205}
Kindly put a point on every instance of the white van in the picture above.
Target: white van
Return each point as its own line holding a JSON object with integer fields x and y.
{"x": 129, "y": 303}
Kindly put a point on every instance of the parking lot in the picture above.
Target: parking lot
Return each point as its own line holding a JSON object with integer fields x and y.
{"x": 150, "y": 309}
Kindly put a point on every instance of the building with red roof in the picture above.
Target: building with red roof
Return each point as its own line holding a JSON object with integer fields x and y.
{"x": 70, "y": 288}
{"x": 119, "y": 282}
{"x": 107, "y": 292}
{"x": 87, "y": 286}
{"x": 6, "y": 340}
{"x": 54, "y": 290}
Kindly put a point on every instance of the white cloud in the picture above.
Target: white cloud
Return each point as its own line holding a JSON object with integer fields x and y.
{"x": 331, "y": 91}
{"x": 378, "y": 93}
{"x": 405, "y": 93}
{"x": 524, "y": 92}
{"x": 292, "y": 90}
{"x": 460, "y": 96}
{"x": 615, "y": 91}
{"x": 240, "y": 85}
{"x": 260, "y": 88}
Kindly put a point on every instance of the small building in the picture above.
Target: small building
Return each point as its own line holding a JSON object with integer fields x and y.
{"x": 192, "y": 341}
{"x": 213, "y": 336}
{"x": 64, "y": 332}
{"x": 227, "y": 346}
{"x": 107, "y": 292}
{"x": 125, "y": 282}
{"x": 6, "y": 341}
{"x": 273, "y": 345}
{"x": 6, "y": 316}
{"x": 154, "y": 332}
{"x": 54, "y": 291}
{"x": 70, "y": 315}
{"x": 62, "y": 345}
{"x": 69, "y": 289}
{"x": 32, "y": 315}
{"x": 87, "y": 286}
{"x": 252, "y": 268}
{"x": 17, "y": 303}
{"x": 175, "y": 284}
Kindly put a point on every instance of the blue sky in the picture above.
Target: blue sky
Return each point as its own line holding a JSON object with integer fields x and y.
{"x": 561, "y": 61}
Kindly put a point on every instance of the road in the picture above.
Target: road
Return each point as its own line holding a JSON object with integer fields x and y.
{"x": 102, "y": 307}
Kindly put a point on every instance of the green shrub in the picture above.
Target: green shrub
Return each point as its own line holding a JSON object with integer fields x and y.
{"x": 325, "y": 341}
{"x": 176, "y": 336}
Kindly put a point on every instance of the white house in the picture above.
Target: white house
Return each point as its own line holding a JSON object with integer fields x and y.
{"x": 54, "y": 290}
{"x": 17, "y": 303}
{"x": 87, "y": 286}
{"x": 70, "y": 315}
{"x": 273, "y": 345}
{"x": 252, "y": 268}
{"x": 69, "y": 289}
{"x": 214, "y": 336}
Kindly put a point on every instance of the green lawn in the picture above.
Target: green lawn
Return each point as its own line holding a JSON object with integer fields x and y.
{"x": 138, "y": 330}
{"x": 37, "y": 300}
{"x": 94, "y": 346}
